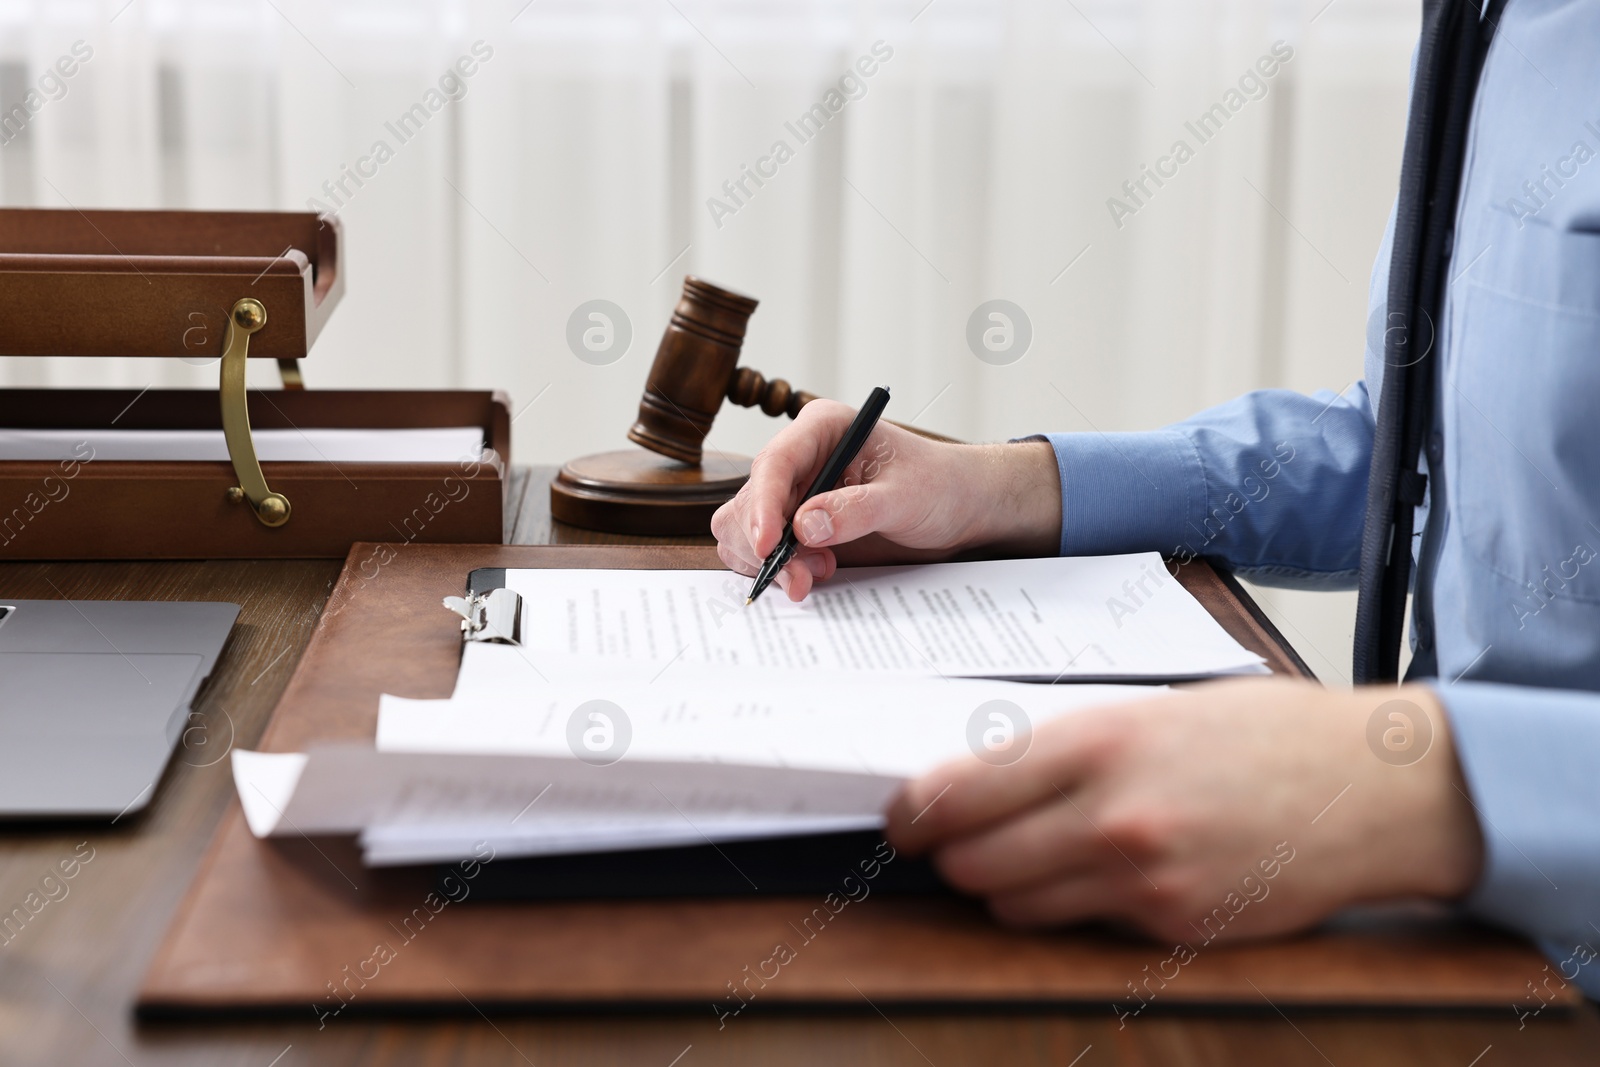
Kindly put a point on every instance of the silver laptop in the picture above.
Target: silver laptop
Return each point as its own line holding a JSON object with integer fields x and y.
{"x": 94, "y": 695}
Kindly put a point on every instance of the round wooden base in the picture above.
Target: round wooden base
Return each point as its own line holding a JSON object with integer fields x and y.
{"x": 638, "y": 492}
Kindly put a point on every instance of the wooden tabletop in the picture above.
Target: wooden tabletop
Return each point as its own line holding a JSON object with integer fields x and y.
{"x": 68, "y": 975}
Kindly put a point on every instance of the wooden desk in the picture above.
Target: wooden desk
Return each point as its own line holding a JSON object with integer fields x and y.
{"x": 68, "y": 978}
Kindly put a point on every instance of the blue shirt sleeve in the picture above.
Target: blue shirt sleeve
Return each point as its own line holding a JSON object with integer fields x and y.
{"x": 1528, "y": 756}
{"x": 1273, "y": 484}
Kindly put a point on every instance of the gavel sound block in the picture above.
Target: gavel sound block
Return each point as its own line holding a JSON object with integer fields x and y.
{"x": 667, "y": 487}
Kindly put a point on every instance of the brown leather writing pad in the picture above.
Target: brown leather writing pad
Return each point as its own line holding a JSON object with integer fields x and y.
{"x": 300, "y": 926}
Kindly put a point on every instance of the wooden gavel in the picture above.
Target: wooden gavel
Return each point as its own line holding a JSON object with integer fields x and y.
{"x": 696, "y": 368}
{"x": 665, "y": 491}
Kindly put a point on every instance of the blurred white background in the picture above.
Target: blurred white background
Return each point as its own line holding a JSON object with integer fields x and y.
{"x": 579, "y": 158}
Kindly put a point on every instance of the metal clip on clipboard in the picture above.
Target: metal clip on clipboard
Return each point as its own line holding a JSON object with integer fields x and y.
{"x": 494, "y": 616}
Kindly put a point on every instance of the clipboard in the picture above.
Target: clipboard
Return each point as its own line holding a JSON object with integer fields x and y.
{"x": 772, "y": 866}
{"x": 266, "y": 926}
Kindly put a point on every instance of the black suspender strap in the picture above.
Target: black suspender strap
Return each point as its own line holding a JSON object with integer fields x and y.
{"x": 1455, "y": 39}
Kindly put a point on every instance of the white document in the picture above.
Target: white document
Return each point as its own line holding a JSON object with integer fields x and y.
{"x": 1105, "y": 618}
{"x": 448, "y": 444}
{"x": 567, "y": 768}
{"x": 864, "y": 729}
{"x": 349, "y": 789}
{"x": 889, "y": 727}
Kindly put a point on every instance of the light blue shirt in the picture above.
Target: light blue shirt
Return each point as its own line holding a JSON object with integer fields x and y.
{"x": 1506, "y": 613}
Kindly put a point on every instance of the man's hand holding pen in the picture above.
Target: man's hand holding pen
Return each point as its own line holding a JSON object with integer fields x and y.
{"x": 905, "y": 498}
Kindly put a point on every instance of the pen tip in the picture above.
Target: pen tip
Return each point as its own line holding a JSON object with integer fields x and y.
{"x": 749, "y": 600}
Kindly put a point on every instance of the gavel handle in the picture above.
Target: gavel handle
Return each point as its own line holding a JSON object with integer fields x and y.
{"x": 749, "y": 388}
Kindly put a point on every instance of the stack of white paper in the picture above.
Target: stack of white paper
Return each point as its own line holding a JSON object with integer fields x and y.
{"x": 652, "y": 708}
{"x": 617, "y": 764}
{"x": 430, "y": 444}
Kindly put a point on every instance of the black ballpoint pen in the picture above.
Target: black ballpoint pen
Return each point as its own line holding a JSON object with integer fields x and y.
{"x": 826, "y": 479}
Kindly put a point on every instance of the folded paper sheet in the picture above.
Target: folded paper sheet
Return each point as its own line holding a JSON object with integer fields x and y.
{"x": 415, "y": 808}
{"x": 630, "y": 763}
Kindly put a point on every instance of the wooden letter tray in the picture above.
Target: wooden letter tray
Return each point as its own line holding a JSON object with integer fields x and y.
{"x": 226, "y": 286}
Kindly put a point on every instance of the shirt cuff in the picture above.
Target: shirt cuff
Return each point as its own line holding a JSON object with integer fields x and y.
{"x": 1529, "y": 758}
{"x": 1127, "y": 492}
